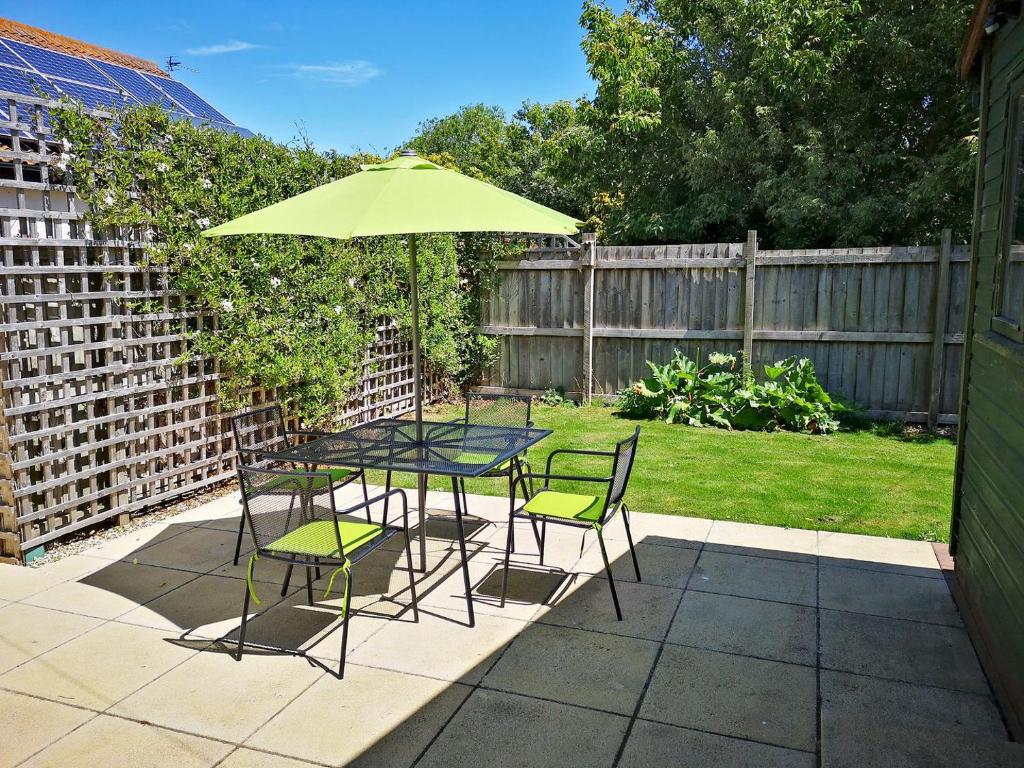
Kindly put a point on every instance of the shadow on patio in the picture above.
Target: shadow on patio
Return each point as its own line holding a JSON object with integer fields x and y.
{"x": 744, "y": 646}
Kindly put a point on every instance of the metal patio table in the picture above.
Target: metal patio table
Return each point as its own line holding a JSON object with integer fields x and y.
{"x": 450, "y": 449}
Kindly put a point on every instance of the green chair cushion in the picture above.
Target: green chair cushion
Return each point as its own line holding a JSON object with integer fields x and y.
{"x": 317, "y": 538}
{"x": 292, "y": 484}
{"x": 569, "y": 506}
{"x": 469, "y": 457}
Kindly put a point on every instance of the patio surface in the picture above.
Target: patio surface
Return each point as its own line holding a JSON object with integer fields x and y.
{"x": 744, "y": 646}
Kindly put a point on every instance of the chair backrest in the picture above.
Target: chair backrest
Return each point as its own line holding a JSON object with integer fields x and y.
{"x": 498, "y": 410}
{"x": 276, "y": 502}
{"x": 625, "y": 452}
{"x": 258, "y": 432}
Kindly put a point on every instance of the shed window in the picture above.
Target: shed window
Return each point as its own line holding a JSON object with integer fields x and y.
{"x": 1010, "y": 283}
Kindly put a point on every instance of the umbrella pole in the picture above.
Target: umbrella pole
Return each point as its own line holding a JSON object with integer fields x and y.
{"x": 421, "y": 480}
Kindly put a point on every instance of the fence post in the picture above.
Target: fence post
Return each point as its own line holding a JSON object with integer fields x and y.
{"x": 749, "y": 262}
{"x": 588, "y": 258}
{"x": 941, "y": 304}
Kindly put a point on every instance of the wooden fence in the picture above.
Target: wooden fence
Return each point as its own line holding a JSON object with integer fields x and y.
{"x": 97, "y": 418}
{"x": 884, "y": 326}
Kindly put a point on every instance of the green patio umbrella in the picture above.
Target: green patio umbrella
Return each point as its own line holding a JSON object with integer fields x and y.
{"x": 404, "y": 196}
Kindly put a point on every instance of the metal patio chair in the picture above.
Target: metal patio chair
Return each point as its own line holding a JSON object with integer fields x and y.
{"x": 263, "y": 431}
{"x": 589, "y": 512}
{"x": 312, "y": 534}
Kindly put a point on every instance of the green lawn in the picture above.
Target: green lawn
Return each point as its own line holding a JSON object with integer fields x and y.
{"x": 862, "y": 481}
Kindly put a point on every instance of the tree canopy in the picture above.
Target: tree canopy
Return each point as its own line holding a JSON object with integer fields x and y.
{"x": 816, "y": 122}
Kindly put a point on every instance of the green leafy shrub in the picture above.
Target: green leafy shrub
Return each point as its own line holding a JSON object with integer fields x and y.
{"x": 555, "y": 397}
{"x": 294, "y": 313}
{"x": 718, "y": 394}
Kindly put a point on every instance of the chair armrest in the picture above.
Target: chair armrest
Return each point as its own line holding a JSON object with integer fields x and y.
{"x": 578, "y": 452}
{"x": 545, "y": 476}
{"x": 366, "y": 504}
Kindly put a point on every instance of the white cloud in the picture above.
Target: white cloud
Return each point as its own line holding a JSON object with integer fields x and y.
{"x": 353, "y": 72}
{"x": 231, "y": 46}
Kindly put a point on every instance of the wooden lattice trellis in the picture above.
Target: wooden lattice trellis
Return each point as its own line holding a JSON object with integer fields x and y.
{"x": 98, "y": 420}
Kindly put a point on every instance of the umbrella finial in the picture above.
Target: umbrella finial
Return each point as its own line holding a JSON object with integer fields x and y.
{"x": 409, "y": 153}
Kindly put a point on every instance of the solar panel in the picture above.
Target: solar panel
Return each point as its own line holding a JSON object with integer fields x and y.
{"x": 25, "y": 83}
{"x": 182, "y": 94}
{"x": 136, "y": 85}
{"x": 91, "y": 98}
{"x": 7, "y": 56}
{"x": 59, "y": 64}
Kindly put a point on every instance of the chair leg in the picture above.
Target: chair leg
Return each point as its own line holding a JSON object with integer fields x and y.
{"x": 412, "y": 578}
{"x": 366, "y": 495}
{"x": 387, "y": 500}
{"x": 543, "y": 538}
{"x": 344, "y": 622}
{"x": 508, "y": 552}
{"x": 629, "y": 538}
{"x": 287, "y": 578}
{"x": 611, "y": 581}
{"x": 309, "y": 585}
{"x": 462, "y": 550}
{"x": 245, "y": 618}
{"x": 511, "y": 513}
{"x": 241, "y": 532}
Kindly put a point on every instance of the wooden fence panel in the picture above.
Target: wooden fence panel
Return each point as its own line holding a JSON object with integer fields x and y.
{"x": 868, "y": 317}
{"x": 98, "y": 419}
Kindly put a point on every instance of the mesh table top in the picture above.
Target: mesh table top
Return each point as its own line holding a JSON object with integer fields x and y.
{"x": 448, "y": 448}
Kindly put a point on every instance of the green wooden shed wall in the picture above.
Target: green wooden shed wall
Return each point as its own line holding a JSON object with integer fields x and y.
{"x": 988, "y": 514}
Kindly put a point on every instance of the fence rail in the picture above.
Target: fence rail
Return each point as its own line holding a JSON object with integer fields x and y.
{"x": 99, "y": 416}
{"x": 884, "y": 326}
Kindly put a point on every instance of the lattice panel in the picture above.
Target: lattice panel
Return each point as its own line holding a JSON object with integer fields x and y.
{"x": 98, "y": 421}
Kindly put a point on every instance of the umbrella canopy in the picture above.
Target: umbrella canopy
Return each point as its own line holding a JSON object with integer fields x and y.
{"x": 403, "y": 196}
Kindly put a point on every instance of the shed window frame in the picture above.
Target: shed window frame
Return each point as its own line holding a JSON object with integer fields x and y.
{"x": 1013, "y": 197}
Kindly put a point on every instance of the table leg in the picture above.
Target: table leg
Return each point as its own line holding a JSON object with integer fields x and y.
{"x": 462, "y": 549}
{"x": 421, "y": 495}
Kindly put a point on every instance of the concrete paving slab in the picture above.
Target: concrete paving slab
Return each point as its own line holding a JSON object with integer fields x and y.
{"x": 375, "y": 717}
{"x": 890, "y": 703}
{"x": 191, "y": 697}
{"x": 900, "y": 650}
{"x": 854, "y": 743}
{"x": 573, "y": 666}
{"x": 127, "y": 546}
{"x": 655, "y": 744}
{"x": 741, "y": 625}
{"x": 113, "y": 590}
{"x": 878, "y": 553}
{"x": 667, "y": 530}
{"x": 18, "y": 582}
{"x": 661, "y": 565}
{"x": 99, "y": 668}
{"x": 441, "y": 645}
{"x": 765, "y": 701}
{"x": 888, "y": 594}
{"x": 587, "y": 604}
{"x": 251, "y": 758}
{"x": 29, "y": 724}
{"x": 28, "y": 631}
{"x": 530, "y": 587}
{"x": 763, "y": 541}
{"x": 502, "y": 729}
{"x": 194, "y": 549}
{"x": 757, "y": 577}
{"x": 110, "y": 741}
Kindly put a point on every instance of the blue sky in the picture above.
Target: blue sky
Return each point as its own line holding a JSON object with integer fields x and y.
{"x": 352, "y": 75}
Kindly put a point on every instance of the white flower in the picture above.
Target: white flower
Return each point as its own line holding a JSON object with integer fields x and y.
{"x": 337, "y": 310}
{"x": 204, "y": 222}
{"x": 161, "y": 167}
{"x": 168, "y": 137}
{"x": 228, "y": 305}
{"x": 65, "y": 144}
{"x": 187, "y": 246}
{"x": 108, "y": 199}
{"x": 207, "y": 184}
{"x": 352, "y": 282}
{"x": 276, "y": 282}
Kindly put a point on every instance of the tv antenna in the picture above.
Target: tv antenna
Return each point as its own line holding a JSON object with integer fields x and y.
{"x": 172, "y": 64}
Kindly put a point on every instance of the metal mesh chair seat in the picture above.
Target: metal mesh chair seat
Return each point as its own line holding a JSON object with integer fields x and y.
{"x": 566, "y": 506}
{"x": 319, "y": 539}
{"x": 290, "y": 485}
